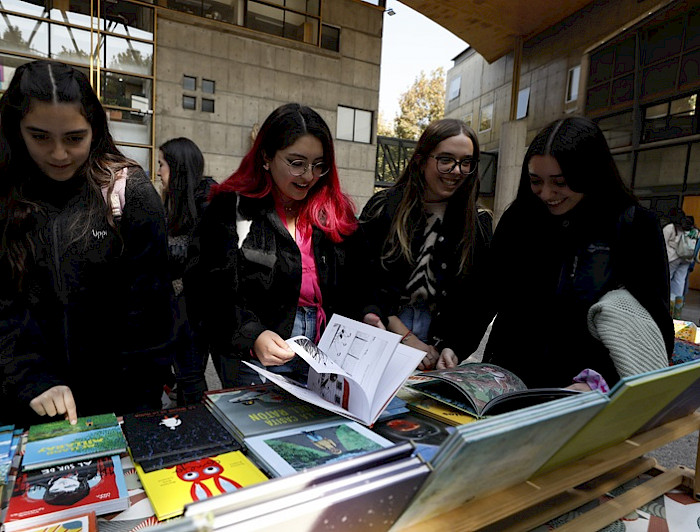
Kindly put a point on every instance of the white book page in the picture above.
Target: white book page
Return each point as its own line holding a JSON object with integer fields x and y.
{"x": 308, "y": 395}
{"x": 361, "y": 350}
{"x": 402, "y": 364}
{"x": 314, "y": 356}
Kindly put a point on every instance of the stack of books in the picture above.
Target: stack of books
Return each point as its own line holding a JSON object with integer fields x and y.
{"x": 10, "y": 444}
{"x": 68, "y": 473}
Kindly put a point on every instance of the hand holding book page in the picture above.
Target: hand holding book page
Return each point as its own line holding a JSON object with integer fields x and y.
{"x": 354, "y": 371}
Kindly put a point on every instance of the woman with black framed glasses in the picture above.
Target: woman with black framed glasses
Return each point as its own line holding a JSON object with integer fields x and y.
{"x": 427, "y": 244}
{"x": 268, "y": 258}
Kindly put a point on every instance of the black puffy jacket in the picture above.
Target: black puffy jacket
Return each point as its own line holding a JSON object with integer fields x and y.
{"x": 94, "y": 313}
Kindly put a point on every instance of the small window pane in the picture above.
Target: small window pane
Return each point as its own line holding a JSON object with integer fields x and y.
{"x": 363, "y": 126}
{"x": 31, "y": 7}
{"x": 572, "y": 83}
{"x": 70, "y": 44}
{"x": 207, "y": 105}
{"x": 264, "y": 18}
{"x": 624, "y": 56}
{"x": 656, "y": 111}
{"x": 346, "y": 119}
{"x": 486, "y": 117}
{"x": 208, "y": 86}
{"x": 24, "y": 35}
{"x": 189, "y": 83}
{"x": 664, "y": 40}
{"x": 690, "y": 70}
{"x": 660, "y": 78}
{"x": 129, "y": 126}
{"x": 192, "y": 7}
{"x": 73, "y": 12}
{"x": 128, "y": 19}
{"x": 601, "y": 66}
{"x": 8, "y": 65}
{"x": 129, "y": 55}
{"x": 140, "y": 155}
{"x": 622, "y": 90}
{"x": 330, "y": 38}
{"x": 523, "y": 102}
{"x": 189, "y": 102}
{"x": 127, "y": 91}
{"x": 454, "y": 88}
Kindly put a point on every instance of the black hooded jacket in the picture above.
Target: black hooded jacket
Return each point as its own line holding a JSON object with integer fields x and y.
{"x": 94, "y": 313}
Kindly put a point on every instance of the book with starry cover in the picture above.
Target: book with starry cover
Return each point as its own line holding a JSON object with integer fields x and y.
{"x": 190, "y": 431}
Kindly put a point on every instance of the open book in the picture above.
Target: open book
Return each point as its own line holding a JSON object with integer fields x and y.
{"x": 481, "y": 389}
{"x": 355, "y": 370}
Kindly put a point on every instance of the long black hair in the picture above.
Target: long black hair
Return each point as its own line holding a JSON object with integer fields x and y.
{"x": 186, "y": 164}
{"x": 583, "y": 154}
{"x": 56, "y": 83}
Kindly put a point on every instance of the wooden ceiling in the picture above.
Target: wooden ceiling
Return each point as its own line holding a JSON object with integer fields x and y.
{"x": 492, "y": 26}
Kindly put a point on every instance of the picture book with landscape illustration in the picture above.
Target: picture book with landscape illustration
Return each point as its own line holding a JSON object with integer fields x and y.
{"x": 355, "y": 370}
{"x": 289, "y": 451}
{"x": 481, "y": 389}
{"x": 59, "y": 442}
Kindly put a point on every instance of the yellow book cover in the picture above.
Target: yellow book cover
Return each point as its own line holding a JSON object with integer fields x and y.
{"x": 436, "y": 410}
{"x": 170, "y": 489}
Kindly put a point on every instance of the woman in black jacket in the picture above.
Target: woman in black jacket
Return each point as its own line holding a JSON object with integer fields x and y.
{"x": 185, "y": 193}
{"x": 573, "y": 233}
{"x": 427, "y": 245}
{"x": 269, "y": 255}
{"x": 85, "y": 321}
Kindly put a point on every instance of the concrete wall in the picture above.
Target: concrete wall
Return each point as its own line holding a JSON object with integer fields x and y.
{"x": 255, "y": 73}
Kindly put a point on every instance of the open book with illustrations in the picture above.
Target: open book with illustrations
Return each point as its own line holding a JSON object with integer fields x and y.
{"x": 482, "y": 389}
{"x": 354, "y": 371}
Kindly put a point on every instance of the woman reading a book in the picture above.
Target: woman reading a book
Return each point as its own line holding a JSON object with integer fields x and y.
{"x": 427, "y": 245}
{"x": 573, "y": 234}
{"x": 85, "y": 315}
{"x": 270, "y": 250}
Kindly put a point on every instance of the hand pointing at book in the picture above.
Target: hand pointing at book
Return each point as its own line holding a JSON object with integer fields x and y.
{"x": 55, "y": 401}
{"x": 271, "y": 349}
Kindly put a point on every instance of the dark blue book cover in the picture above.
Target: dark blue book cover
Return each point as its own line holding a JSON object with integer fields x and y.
{"x": 166, "y": 432}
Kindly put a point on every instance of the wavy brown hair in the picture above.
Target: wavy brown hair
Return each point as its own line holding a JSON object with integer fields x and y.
{"x": 52, "y": 82}
{"x": 463, "y": 201}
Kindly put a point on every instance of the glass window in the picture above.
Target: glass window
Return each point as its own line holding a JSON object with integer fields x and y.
{"x": 8, "y": 65}
{"x": 523, "y": 103}
{"x": 363, "y": 126}
{"x": 690, "y": 70}
{"x": 189, "y": 83}
{"x": 617, "y": 129}
{"x": 694, "y": 166}
{"x": 601, "y": 66}
{"x": 189, "y": 102}
{"x": 660, "y": 78}
{"x": 128, "y": 55}
{"x": 659, "y": 167}
{"x": 622, "y": 90}
{"x": 127, "y": 91}
{"x": 129, "y": 126}
{"x": 656, "y": 111}
{"x": 572, "y": 83}
{"x": 354, "y": 124}
{"x": 128, "y": 19}
{"x": 597, "y": 97}
{"x": 70, "y": 44}
{"x": 140, "y": 155}
{"x": 330, "y": 38}
{"x": 193, "y": 7}
{"x": 663, "y": 40}
{"x": 19, "y": 34}
{"x": 29, "y": 7}
{"x": 624, "y": 56}
{"x": 75, "y": 12}
{"x": 692, "y": 35}
{"x": 624, "y": 165}
{"x": 265, "y": 18}
{"x": 208, "y": 86}
{"x": 223, "y": 11}
{"x": 486, "y": 119}
{"x": 207, "y": 105}
{"x": 455, "y": 85}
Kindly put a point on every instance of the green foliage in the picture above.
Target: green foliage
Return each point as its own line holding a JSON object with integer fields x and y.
{"x": 354, "y": 441}
{"x": 422, "y": 103}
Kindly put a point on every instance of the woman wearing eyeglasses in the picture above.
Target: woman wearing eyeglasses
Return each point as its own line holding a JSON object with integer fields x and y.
{"x": 271, "y": 249}
{"x": 427, "y": 245}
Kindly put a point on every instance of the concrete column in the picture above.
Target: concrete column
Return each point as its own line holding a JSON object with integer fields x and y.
{"x": 511, "y": 150}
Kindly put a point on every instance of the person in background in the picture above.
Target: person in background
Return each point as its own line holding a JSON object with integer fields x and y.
{"x": 185, "y": 193}
{"x": 270, "y": 253}
{"x": 85, "y": 319}
{"x": 573, "y": 234}
{"x": 427, "y": 245}
{"x": 691, "y": 266}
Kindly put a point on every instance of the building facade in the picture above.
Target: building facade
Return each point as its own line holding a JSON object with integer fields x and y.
{"x": 213, "y": 71}
{"x": 633, "y": 66}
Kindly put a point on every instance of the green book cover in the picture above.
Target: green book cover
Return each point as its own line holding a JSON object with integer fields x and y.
{"x": 633, "y": 401}
{"x": 60, "y": 428}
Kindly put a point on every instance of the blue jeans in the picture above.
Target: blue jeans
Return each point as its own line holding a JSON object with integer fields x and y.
{"x": 296, "y": 369}
{"x": 416, "y": 317}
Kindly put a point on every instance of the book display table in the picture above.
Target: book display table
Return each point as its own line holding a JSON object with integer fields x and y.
{"x": 529, "y": 504}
